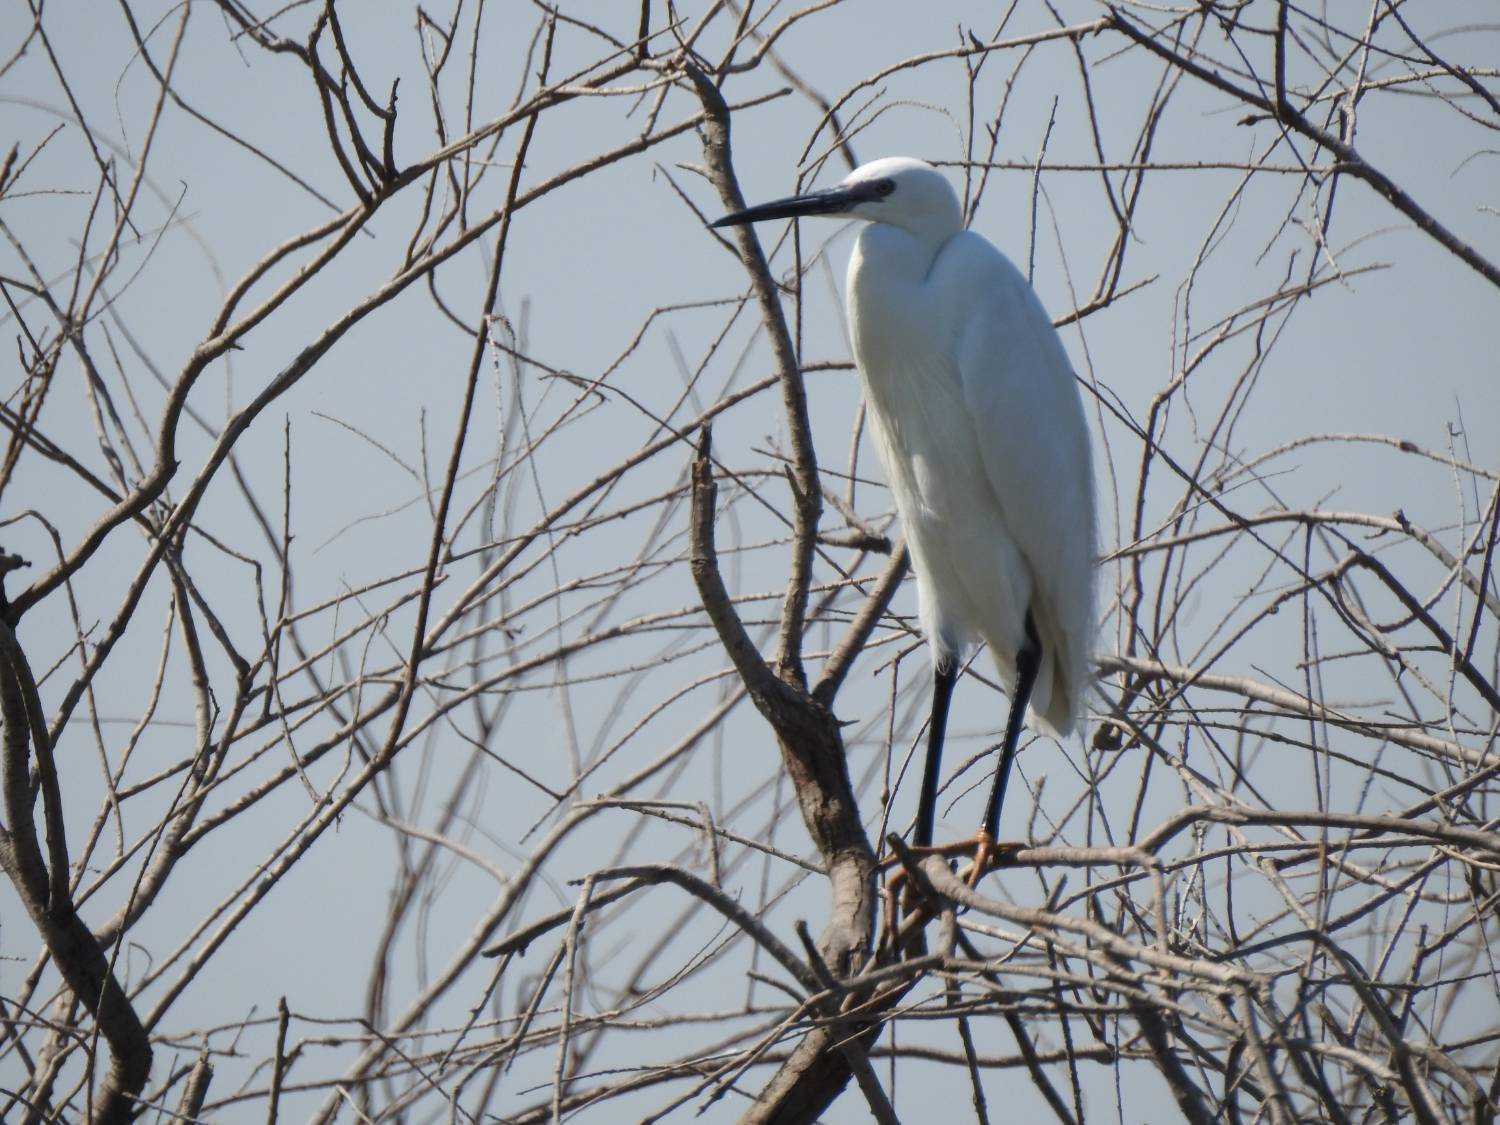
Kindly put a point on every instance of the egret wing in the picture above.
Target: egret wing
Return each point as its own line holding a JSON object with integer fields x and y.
{"x": 1024, "y": 406}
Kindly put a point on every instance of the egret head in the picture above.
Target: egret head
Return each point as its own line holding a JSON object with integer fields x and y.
{"x": 899, "y": 190}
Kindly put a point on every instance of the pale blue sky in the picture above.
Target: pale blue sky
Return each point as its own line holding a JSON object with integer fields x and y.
{"x": 1407, "y": 350}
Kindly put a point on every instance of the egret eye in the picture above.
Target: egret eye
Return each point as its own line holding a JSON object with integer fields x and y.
{"x": 884, "y": 187}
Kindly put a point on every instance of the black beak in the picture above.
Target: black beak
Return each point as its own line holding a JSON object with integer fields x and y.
{"x": 832, "y": 201}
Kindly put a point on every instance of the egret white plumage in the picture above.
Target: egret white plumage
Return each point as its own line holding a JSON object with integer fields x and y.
{"x": 977, "y": 419}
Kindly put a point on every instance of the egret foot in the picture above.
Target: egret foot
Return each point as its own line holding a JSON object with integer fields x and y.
{"x": 987, "y": 855}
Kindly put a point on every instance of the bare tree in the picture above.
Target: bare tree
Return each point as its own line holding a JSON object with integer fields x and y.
{"x": 454, "y": 640}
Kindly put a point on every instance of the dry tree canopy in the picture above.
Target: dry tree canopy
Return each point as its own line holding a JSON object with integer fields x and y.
{"x": 457, "y": 656}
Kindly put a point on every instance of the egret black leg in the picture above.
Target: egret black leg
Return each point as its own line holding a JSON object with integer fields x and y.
{"x": 944, "y": 676}
{"x": 1028, "y": 663}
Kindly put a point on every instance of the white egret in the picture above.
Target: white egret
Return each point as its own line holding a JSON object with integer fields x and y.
{"x": 976, "y": 416}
